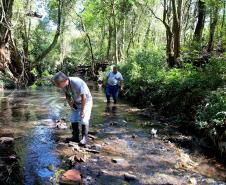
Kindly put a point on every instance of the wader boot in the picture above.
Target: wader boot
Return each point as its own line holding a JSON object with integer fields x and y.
{"x": 108, "y": 100}
{"x": 85, "y": 130}
{"x": 75, "y": 133}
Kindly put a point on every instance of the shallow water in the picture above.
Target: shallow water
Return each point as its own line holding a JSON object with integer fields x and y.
{"x": 23, "y": 113}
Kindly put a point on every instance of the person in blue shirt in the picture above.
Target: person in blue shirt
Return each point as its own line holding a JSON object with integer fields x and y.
{"x": 114, "y": 84}
{"x": 80, "y": 100}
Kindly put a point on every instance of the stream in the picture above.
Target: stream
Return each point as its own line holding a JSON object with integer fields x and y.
{"x": 121, "y": 131}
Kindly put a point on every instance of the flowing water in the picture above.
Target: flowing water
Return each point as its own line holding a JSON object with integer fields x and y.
{"x": 27, "y": 115}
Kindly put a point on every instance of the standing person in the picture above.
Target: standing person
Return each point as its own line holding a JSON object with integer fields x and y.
{"x": 79, "y": 99}
{"x": 114, "y": 84}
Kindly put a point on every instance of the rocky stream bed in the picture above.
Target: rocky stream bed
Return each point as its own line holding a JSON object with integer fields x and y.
{"x": 124, "y": 147}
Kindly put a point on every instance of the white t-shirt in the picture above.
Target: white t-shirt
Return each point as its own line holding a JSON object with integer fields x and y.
{"x": 76, "y": 88}
{"x": 114, "y": 79}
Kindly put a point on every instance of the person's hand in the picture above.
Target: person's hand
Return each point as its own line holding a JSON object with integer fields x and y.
{"x": 121, "y": 88}
{"x": 82, "y": 114}
{"x": 71, "y": 104}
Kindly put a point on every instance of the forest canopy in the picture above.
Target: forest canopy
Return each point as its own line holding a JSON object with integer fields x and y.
{"x": 39, "y": 37}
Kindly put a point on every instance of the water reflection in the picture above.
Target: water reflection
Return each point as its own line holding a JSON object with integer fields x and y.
{"x": 20, "y": 113}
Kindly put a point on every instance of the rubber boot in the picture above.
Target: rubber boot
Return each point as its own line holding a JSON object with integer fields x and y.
{"x": 85, "y": 130}
{"x": 115, "y": 101}
{"x": 108, "y": 100}
{"x": 75, "y": 132}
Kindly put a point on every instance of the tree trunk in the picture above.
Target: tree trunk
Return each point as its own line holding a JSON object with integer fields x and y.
{"x": 169, "y": 50}
{"x": 110, "y": 30}
{"x": 115, "y": 34}
{"x": 223, "y": 29}
{"x": 213, "y": 23}
{"x": 57, "y": 34}
{"x": 201, "y": 21}
{"x": 5, "y": 14}
{"x": 176, "y": 26}
{"x": 89, "y": 46}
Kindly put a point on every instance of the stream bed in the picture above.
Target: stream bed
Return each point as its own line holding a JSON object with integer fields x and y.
{"x": 127, "y": 142}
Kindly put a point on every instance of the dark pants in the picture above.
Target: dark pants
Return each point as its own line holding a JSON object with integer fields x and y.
{"x": 112, "y": 90}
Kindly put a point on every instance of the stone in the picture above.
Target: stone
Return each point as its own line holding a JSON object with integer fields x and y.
{"x": 92, "y": 137}
{"x": 97, "y": 147}
{"x": 61, "y": 124}
{"x": 51, "y": 167}
{"x": 118, "y": 160}
{"x": 129, "y": 177}
{"x": 92, "y": 150}
{"x": 134, "y": 136}
{"x": 71, "y": 177}
{"x": 192, "y": 181}
{"x": 6, "y": 140}
{"x": 114, "y": 123}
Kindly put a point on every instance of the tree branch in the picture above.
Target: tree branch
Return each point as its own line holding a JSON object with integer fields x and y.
{"x": 57, "y": 34}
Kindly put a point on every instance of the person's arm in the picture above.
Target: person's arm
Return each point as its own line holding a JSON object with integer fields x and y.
{"x": 106, "y": 81}
{"x": 70, "y": 103}
{"x": 83, "y": 104}
{"x": 121, "y": 82}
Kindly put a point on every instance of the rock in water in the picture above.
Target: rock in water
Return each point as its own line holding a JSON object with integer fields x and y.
{"x": 7, "y": 140}
{"x": 51, "y": 167}
{"x": 71, "y": 177}
{"x": 61, "y": 124}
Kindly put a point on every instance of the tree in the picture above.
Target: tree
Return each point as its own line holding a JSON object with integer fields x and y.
{"x": 172, "y": 9}
{"x": 213, "y": 23}
{"x": 5, "y": 29}
{"x": 57, "y": 34}
{"x": 201, "y": 20}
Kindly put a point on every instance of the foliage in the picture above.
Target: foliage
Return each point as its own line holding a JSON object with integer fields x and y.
{"x": 175, "y": 92}
{"x": 212, "y": 111}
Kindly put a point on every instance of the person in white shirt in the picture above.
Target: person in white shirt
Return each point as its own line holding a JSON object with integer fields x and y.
{"x": 114, "y": 84}
{"x": 80, "y": 100}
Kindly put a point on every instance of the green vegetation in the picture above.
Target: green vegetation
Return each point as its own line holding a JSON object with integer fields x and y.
{"x": 177, "y": 91}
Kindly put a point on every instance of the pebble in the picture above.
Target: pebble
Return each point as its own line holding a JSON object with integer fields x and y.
{"x": 118, "y": 160}
{"x": 97, "y": 147}
{"x": 129, "y": 177}
{"x": 51, "y": 167}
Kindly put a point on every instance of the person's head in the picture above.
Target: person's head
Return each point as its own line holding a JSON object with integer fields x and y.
{"x": 114, "y": 69}
{"x": 60, "y": 80}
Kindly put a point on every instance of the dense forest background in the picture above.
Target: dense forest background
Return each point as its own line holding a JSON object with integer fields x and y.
{"x": 171, "y": 53}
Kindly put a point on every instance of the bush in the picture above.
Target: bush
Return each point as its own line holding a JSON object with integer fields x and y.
{"x": 212, "y": 112}
{"x": 174, "y": 92}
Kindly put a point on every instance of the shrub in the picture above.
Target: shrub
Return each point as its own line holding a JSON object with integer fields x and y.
{"x": 212, "y": 111}
{"x": 176, "y": 91}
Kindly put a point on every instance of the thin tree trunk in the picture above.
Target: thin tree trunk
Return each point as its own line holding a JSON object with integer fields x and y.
{"x": 89, "y": 46}
{"x": 115, "y": 34}
{"x": 201, "y": 21}
{"x": 223, "y": 29}
{"x": 110, "y": 30}
{"x": 176, "y": 26}
{"x": 57, "y": 34}
{"x": 213, "y": 23}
